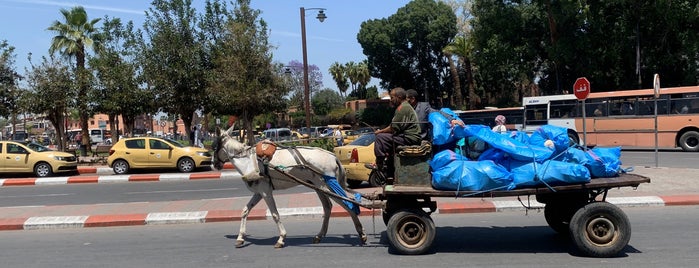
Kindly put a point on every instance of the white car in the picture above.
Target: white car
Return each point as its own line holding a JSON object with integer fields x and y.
{"x": 327, "y": 132}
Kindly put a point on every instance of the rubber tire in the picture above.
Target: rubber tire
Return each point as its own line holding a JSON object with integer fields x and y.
{"x": 43, "y": 169}
{"x": 376, "y": 180}
{"x": 600, "y": 229}
{"x": 353, "y": 183}
{"x": 411, "y": 232}
{"x": 573, "y": 139}
{"x": 689, "y": 141}
{"x": 558, "y": 217}
{"x": 120, "y": 167}
{"x": 185, "y": 165}
{"x": 386, "y": 215}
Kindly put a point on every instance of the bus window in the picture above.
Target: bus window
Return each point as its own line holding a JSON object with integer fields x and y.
{"x": 563, "y": 109}
{"x": 536, "y": 114}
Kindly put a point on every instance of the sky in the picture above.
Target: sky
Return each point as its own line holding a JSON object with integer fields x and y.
{"x": 24, "y": 24}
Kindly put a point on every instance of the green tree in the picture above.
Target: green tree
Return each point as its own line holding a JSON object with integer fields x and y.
{"x": 615, "y": 44}
{"x": 116, "y": 72}
{"x": 325, "y": 101}
{"x": 174, "y": 61}
{"x": 73, "y": 36}
{"x": 405, "y": 49}
{"x": 244, "y": 80}
{"x": 9, "y": 79}
{"x": 51, "y": 78}
{"x": 339, "y": 74}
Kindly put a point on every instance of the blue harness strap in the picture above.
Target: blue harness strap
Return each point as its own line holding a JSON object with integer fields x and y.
{"x": 336, "y": 188}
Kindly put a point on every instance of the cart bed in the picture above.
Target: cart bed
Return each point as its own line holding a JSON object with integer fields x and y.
{"x": 624, "y": 180}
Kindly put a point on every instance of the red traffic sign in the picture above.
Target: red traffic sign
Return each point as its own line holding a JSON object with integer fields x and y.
{"x": 581, "y": 88}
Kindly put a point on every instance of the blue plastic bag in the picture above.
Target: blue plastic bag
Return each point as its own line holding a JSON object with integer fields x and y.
{"x": 604, "y": 162}
{"x": 513, "y": 148}
{"x": 549, "y": 172}
{"x": 464, "y": 175}
{"x": 558, "y": 135}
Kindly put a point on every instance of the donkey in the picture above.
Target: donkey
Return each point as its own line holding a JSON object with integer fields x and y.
{"x": 310, "y": 164}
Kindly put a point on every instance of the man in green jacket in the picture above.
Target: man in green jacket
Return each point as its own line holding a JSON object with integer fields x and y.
{"x": 403, "y": 130}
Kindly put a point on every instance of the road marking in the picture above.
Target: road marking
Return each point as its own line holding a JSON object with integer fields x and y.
{"x": 183, "y": 191}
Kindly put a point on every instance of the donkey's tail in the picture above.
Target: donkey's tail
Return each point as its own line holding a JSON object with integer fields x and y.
{"x": 341, "y": 175}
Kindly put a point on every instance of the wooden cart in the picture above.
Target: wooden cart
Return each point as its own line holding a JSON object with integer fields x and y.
{"x": 597, "y": 228}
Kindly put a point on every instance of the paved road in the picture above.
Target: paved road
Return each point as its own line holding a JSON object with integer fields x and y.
{"x": 662, "y": 237}
{"x": 109, "y": 202}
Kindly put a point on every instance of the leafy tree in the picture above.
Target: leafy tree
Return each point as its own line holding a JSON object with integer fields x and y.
{"x": 405, "y": 49}
{"x": 339, "y": 74}
{"x": 51, "y": 78}
{"x": 72, "y": 38}
{"x": 326, "y": 100}
{"x": 244, "y": 80}
{"x": 529, "y": 48}
{"x": 174, "y": 62}
{"x": 9, "y": 79}
{"x": 116, "y": 72}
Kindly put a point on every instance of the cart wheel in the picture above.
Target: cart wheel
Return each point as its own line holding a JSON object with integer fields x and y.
{"x": 558, "y": 216}
{"x": 600, "y": 229}
{"x": 411, "y": 232}
{"x": 386, "y": 216}
{"x": 376, "y": 179}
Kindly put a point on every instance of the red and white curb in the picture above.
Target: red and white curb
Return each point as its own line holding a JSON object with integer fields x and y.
{"x": 119, "y": 178}
{"x": 84, "y": 221}
{"x": 103, "y": 170}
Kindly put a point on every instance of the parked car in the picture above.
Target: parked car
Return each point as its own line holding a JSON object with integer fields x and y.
{"x": 327, "y": 132}
{"x": 314, "y": 132}
{"x": 278, "y": 134}
{"x": 354, "y": 157}
{"x": 17, "y": 157}
{"x": 351, "y": 135}
{"x": 151, "y": 152}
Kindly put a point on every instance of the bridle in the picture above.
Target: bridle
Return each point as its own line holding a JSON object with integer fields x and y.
{"x": 218, "y": 146}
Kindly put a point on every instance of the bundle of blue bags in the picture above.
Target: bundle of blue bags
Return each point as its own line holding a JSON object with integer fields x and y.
{"x": 474, "y": 158}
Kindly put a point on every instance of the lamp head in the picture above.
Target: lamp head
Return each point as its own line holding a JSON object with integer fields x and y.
{"x": 321, "y": 16}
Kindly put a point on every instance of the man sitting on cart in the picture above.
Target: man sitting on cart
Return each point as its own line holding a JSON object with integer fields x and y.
{"x": 403, "y": 130}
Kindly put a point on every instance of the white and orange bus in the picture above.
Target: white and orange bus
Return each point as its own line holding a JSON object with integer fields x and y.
{"x": 514, "y": 117}
{"x": 622, "y": 118}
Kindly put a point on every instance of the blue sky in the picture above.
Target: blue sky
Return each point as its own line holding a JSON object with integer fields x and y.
{"x": 24, "y": 24}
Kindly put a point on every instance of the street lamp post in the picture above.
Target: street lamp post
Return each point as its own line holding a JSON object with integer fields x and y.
{"x": 306, "y": 90}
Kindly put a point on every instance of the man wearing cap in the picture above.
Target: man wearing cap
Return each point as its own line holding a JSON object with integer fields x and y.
{"x": 403, "y": 130}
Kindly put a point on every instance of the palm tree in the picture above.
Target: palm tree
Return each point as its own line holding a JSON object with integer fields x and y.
{"x": 363, "y": 76}
{"x": 337, "y": 71}
{"x": 351, "y": 71}
{"x": 461, "y": 48}
{"x": 72, "y": 37}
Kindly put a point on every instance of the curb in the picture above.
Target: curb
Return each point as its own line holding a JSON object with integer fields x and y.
{"x": 160, "y": 218}
{"x": 104, "y": 170}
{"x": 119, "y": 178}
{"x": 107, "y": 176}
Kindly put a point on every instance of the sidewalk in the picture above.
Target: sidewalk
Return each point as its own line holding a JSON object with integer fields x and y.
{"x": 668, "y": 187}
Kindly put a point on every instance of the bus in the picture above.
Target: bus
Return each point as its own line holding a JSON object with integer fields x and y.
{"x": 622, "y": 118}
{"x": 514, "y": 117}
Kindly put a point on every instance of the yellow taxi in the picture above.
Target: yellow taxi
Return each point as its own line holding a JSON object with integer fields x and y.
{"x": 17, "y": 157}
{"x": 353, "y": 158}
{"x": 151, "y": 152}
